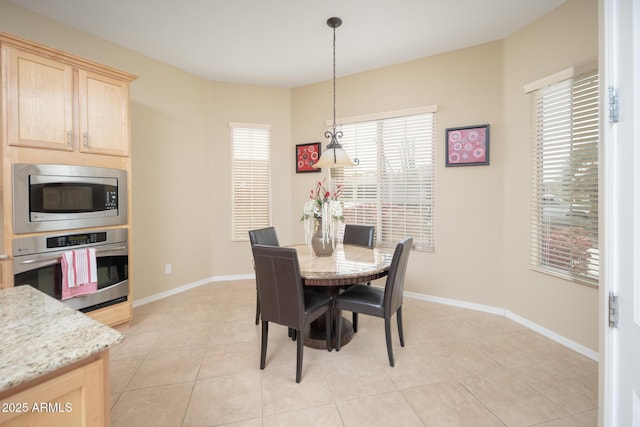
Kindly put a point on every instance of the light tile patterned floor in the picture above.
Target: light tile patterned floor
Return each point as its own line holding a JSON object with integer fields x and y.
{"x": 193, "y": 360}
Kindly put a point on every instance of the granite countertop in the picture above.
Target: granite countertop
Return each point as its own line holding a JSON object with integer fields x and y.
{"x": 39, "y": 334}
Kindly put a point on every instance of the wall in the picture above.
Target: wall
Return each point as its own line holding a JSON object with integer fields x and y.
{"x": 181, "y": 162}
{"x": 180, "y": 157}
{"x": 567, "y": 37}
{"x": 466, "y": 262}
{"x": 482, "y": 213}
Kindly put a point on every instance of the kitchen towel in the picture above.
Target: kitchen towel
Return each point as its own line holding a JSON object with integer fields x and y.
{"x": 79, "y": 272}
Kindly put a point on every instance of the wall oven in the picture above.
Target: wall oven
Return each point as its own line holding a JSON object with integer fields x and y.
{"x": 36, "y": 262}
{"x": 63, "y": 197}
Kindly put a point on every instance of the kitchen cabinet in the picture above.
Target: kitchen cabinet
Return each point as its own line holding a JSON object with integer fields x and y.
{"x": 58, "y": 102}
{"x": 39, "y": 93}
{"x": 55, "y": 366}
{"x": 104, "y": 114}
{"x": 74, "y": 398}
{"x": 58, "y": 108}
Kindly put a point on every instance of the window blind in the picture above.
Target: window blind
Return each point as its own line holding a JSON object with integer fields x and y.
{"x": 564, "y": 214}
{"x": 251, "y": 179}
{"x": 392, "y": 187}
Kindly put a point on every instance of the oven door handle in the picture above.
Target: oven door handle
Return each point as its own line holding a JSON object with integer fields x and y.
{"x": 119, "y": 248}
{"x": 20, "y": 266}
{"x": 44, "y": 261}
{"x": 57, "y": 258}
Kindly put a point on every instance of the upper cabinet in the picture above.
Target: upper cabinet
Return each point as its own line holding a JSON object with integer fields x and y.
{"x": 40, "y": 97}
{"x": 104, "y": 114}
{"x": 60, "y": 102}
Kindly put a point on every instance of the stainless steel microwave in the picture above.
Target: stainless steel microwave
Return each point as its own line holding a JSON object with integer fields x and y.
{"x": 63, "y": 197}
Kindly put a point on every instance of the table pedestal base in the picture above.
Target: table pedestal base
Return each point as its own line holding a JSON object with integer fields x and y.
{"x": 314, "y": 337}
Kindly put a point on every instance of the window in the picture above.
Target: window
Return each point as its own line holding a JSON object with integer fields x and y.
{"x": 564, "y": 214}
{"x": 251, "y": 176}
{"x": 392, "y": 188}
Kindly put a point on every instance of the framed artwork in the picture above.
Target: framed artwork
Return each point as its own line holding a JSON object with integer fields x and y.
{"x": 307, "y": 155}
{"x": 467, "y": 146}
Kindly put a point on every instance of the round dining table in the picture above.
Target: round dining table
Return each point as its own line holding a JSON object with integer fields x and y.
{"x": 347, "y": 265}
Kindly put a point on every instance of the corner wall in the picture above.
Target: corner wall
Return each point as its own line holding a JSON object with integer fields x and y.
{"x": 564, "y": 38}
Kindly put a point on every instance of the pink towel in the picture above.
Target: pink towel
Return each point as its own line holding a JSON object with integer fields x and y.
{"x": 79, "y": 272}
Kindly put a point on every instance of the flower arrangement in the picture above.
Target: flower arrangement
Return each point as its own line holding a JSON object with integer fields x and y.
{"x": 323, "y": 207}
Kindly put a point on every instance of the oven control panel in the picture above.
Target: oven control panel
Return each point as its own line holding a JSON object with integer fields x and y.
{"x": 76, "y": 239}
{"x": 58, "y": 242}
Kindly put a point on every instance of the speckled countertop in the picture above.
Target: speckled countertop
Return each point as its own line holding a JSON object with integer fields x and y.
{"x": 39, "y": 334}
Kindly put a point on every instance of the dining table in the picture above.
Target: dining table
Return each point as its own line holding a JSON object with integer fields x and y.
{"x": 347, "y": 265}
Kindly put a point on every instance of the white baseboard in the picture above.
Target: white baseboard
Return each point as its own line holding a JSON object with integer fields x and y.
{"x": 446, "y": 301}
{"x": 179, "y": 289}
{"x": 512, "y": 316}
{"x": 456, "y": 303}
{"x": 554, "y": 336}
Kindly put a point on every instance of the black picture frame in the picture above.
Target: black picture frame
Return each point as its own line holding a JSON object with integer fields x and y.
{"x": 467, "y": 146}
{"x": 306, "y": 156}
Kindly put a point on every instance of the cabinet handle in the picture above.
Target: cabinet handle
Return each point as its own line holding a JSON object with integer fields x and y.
{"x": 69, "y": 138}
{"x": 85, "y": 140}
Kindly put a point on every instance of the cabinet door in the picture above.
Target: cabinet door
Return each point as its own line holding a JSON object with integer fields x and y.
{"x": 76, "y": 398}
{"x": 104, "y": 114}
{"x": 40, "y": 101}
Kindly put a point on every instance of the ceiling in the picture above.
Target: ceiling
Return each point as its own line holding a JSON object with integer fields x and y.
{"x": 287, "y": 43}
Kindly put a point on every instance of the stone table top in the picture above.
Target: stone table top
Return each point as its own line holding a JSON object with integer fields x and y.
{"x": 347, "y": 265}
{"x": 39, "y": 334}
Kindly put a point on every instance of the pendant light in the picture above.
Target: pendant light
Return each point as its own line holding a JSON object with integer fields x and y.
{"x": 334, "y": 156}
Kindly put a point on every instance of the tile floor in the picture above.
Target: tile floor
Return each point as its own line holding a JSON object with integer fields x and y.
{"x": 193, "y": 360}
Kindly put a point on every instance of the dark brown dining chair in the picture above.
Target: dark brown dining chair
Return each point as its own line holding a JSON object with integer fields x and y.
{"x": 262, "y": 236}
{"x": 284, "y": 300}
{"x": 361, "y": 235}
{"x": 379, "y": 302}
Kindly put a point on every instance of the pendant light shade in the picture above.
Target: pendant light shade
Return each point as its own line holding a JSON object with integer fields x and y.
{"x": 334, "y": 156}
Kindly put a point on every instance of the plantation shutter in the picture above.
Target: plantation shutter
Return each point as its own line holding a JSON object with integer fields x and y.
{"x": 564, "y": 214}
{"x": 251, "y": 176}
{"x": 392, "y": 186}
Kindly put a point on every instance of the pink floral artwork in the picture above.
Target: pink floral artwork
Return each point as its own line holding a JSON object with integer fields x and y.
{"x": 468, "y": 146}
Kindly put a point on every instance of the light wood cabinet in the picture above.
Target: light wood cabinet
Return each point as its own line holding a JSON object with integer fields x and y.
{"x": 104, "y": 114}
{"x": 75, "y": 397}
{"x": 39, "y": 101}
{"x": 57, "y": 108}
{"x": 54, "y": 105}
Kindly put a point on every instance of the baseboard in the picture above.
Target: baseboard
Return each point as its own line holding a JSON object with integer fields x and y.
{"x": 456, "y": 303}
{"x": 553, "y": 336}
{"x": 180, "y": 289}
{"x": 446, "y": 301}
{"x": 512, "y": 316}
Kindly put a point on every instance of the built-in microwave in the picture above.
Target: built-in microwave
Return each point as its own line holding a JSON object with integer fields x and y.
{"x": 63, "y": 197}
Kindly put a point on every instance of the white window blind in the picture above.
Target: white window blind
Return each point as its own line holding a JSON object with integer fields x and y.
{"x": 564, "y": 212}
{"x": 392, "y": 188}
{"x": 251, "y": 176}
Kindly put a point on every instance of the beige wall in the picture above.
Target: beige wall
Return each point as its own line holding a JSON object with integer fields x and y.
{"x": 466, "y": 85}
{"x": 180, "y": 157}
{"x": 567, "y": 37}
{"x": 181, "y": 162}
{"x": 482, "y": 213}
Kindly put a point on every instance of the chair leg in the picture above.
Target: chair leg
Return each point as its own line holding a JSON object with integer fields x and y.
{"x": 263, "y": 347}
{"x": 292, "y": 334}
{"x": 387, "y": 333}
{"x": 299, "y": 361}
{"x": 338, "y": 314}
{"x": 328, "y": 326}
{"x": 257, "y": 307}
{"x": 355, "y": 321}
{"x": 400, "y": 334}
